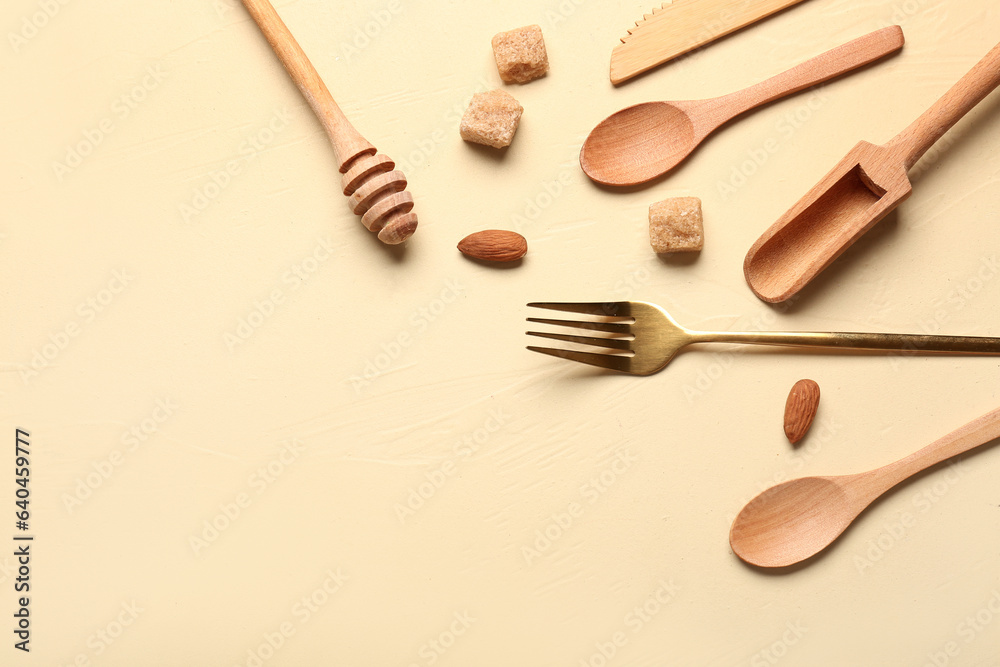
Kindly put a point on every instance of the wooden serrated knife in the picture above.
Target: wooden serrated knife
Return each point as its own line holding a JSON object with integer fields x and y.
{"x": 681, "y": 26}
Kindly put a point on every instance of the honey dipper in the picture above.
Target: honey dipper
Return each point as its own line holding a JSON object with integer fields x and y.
{"x": 376, "y": 191}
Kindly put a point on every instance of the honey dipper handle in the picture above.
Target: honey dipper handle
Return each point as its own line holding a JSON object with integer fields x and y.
{"x": 347, "y": 141}
{"x": 970, "y": 90}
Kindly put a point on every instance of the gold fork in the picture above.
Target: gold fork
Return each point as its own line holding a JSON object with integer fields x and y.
{"x": 644, "y": 338}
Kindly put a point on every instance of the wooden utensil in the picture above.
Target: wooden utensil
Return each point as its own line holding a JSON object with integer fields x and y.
{"x": 376, "y": 191}
{"x": 861, "y": 190}
{"x": 682, "y": 26}
{"x": 795, "y": 520}
{"x": 645, "y": 141}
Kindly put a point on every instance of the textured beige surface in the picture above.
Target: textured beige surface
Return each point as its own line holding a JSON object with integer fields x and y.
{"x": 193, "y": 299}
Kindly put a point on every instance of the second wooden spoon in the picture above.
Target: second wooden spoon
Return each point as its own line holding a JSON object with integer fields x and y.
{"x": 645, "y": 141}
{"x": 796, "y": 520}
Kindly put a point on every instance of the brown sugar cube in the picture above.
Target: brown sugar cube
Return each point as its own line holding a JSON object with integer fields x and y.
{"x": 520, "y": 54}
{"x": 491, "y": 119}
{"x": 675, "y": 225}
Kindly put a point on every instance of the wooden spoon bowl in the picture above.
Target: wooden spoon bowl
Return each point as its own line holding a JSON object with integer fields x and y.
{"x": 791, "y": 522}
{"x": 661, "y": 132}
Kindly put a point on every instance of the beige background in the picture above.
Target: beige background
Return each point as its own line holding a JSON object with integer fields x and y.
{"x": 248, "y": 322}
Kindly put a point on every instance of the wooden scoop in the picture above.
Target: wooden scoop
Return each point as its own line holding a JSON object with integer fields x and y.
{"x": 796, "y": 520}
{"x": 645, "y": 141}
{"x": 861, "y": 190}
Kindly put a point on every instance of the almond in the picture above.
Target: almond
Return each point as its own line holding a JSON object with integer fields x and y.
{"x": 494, "y": 245}
{"x": 800, "y": 409}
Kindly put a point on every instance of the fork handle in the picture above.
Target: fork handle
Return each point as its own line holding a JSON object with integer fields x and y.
{"x": 914, "y": 343}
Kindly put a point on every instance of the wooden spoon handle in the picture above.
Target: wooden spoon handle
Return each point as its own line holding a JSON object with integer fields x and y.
{"x": 970, "y": 90}
{"x": 974, "y": 434}
{"x": 822, "y": 68}
{"x": 347, "y": 141}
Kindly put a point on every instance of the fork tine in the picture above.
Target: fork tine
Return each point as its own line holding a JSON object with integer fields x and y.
{"x": 611, "y": 362}
{"x": 603, "y": 309}
{"x": 610, "y": 343}
{"x": 607, "y": 327}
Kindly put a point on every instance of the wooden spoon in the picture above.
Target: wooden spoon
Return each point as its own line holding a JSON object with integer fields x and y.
{"x": 795, "y": 520}
{"x": 645, "y": 141}
{"x": 861, "y": 190}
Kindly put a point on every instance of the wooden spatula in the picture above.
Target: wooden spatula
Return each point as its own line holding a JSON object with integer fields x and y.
{"x": 682, "y": 26}
{"x": 861, "y": 190}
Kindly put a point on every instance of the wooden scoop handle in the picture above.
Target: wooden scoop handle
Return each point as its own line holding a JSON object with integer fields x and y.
{"x": 970, "y": 90}
{"x": 823, "y": 67}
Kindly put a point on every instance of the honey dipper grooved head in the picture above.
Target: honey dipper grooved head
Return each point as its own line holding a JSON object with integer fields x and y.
{"x": 378, "y": 193}
{"x": 398, "y": 229}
